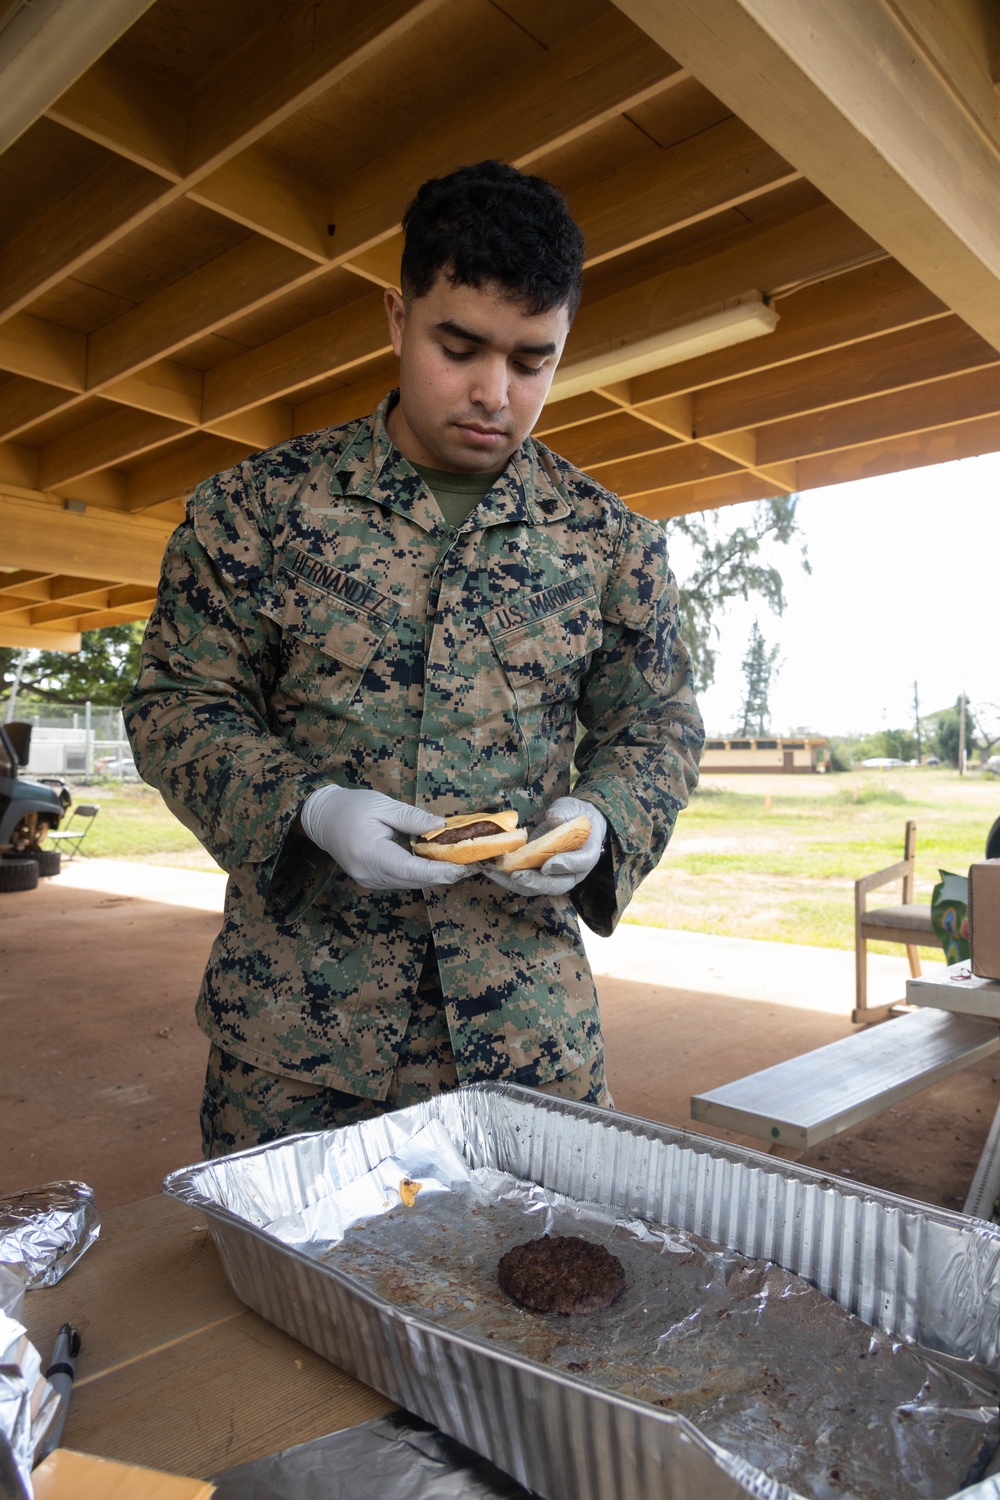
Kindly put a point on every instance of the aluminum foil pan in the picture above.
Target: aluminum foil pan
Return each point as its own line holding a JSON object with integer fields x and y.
{"x": 278, "y": 1213}
{"x": 396, "y": 1455}
{"x": 45, "y": 1230}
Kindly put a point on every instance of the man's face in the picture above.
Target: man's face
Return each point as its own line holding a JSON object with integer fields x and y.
{"x": 474, "y": 371}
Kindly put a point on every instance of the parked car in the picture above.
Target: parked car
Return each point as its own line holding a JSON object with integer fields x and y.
{"x": 28, "y": 810}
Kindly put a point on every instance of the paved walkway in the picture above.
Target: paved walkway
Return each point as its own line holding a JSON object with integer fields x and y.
{"x": 817, "y": 979}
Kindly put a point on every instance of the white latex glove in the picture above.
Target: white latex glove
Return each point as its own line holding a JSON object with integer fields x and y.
{"x": 356, "y": 828}
{"x": 563, "y": 871}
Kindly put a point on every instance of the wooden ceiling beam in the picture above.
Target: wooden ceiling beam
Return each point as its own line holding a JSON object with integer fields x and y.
{"x": 824, "y": 315}
{"x": 69, "y": 233}
{"x": 675, "y": 187}
{"x": 25, "y": 403}
{"x": 18, "y": 636}
{"x": 354, "y": 400}
{"x": 678, "y": 465}
{"x": 705, "y": 494}
{"x": 815, "y": 243}
{"x": 940, "y": 403}
{"x": 48, "y": 614}
{"x": 267, "y": 423}
{"x": 596, "y": 74}
{"x": 18, "y": 468}
{"x": 97, "y": 545}
{"x": 247, "y": 276}
{"x": 305, "y": 51}
{"x": 676, "y": 416}
{"x": 265, "y": 193}
{"x": 16, "y": 606}
{"x": 896, "y": 361}
{"x": 130, "y": 598}
{"x": 45, "y": 351}
{"x": 173, "y": 474}
{"x": 126, "y": 110}
{"x": 164, "y": 388}
{"x": 101, "y": 444}
{"x": 716, "y": 170}
{"x": 27, "y": 583}
{"x": 914, "y": 450}
{"x": 102, "y": 618}
{"x": 860, "y": 102}
{"x": 257, "y": 270}
{"x": 765, "y": 257}
{"x": 227, "y": 118}
{"x": 347, "y": 336}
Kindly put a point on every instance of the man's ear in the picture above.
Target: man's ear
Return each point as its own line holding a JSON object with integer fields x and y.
{"x": 395, "y": 309}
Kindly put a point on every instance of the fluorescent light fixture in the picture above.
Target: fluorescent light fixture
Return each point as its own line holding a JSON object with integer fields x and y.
{"x": 734, "y": 323}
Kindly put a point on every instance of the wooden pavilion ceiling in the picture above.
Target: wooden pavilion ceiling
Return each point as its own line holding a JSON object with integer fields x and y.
{"x": 199, "y": 231}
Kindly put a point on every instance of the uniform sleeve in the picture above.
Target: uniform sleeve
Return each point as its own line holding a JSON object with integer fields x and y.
{"x": 638, "y": 759}
{"x": 197, "y": 718}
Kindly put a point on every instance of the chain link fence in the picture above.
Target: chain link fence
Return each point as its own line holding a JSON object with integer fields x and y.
{"x": 77, "y": 743}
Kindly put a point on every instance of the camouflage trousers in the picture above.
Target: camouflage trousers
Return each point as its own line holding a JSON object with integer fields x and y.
{"x": 247, "y": 1106}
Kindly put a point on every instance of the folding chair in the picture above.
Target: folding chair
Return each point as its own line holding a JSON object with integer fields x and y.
{"x": 75, "y": 835}
{"x": 909, "y": 923}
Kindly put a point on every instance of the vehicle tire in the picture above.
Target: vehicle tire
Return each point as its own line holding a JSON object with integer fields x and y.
{"x": 49, "y": 861}
{"x": 18, "y": 874}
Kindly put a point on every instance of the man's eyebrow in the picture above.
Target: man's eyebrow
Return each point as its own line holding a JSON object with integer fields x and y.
{"x": 458, "y": 332}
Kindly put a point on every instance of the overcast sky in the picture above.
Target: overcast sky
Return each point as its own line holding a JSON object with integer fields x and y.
{"x": 905, "y": 586}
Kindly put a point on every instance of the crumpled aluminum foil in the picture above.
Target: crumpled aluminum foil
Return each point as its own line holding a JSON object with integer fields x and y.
{"x": 397, "y": 1455}
{"x": 28, "y": 1403}
{"x": 45, "y": 1230}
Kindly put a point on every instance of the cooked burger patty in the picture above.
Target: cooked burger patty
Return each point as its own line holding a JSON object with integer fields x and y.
{"x": 562, "y": 1275}
{"x": 470, "y": 831}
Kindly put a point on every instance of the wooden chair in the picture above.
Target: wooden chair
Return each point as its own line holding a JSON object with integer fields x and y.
{"x": 910, "y": 924}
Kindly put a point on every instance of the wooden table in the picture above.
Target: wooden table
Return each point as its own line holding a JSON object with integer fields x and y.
{"x": 960, "y": 991}
{"x": 174, "y": 1372}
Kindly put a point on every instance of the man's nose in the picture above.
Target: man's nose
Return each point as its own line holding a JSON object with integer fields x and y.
{"x": 490, "y": 389}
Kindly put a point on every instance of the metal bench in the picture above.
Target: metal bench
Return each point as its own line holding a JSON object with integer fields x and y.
{"x": 798, "y": 1103}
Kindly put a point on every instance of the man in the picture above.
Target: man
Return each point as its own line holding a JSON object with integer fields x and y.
{"x": 370, "y": 627}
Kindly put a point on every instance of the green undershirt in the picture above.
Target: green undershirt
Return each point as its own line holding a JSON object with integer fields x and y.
{"x": 457, "y": 495}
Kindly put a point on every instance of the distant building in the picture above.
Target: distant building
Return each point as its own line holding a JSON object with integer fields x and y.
{"x": 758, "y": 755}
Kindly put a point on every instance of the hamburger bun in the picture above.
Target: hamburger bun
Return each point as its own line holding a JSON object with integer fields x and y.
{"x": 506, "y": 838}
{"x": 559, "y": 840}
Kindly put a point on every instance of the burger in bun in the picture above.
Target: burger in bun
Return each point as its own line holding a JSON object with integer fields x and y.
{"x": 565, "y": 837}
{"x": 468, "y": 838}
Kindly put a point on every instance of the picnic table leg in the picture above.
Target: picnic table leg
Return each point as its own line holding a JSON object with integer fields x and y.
{"x": 787, "y": 1153}
{"x": 986, "y": 1182}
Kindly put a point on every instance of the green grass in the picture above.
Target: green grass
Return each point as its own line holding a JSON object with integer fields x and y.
{"x": 776, "y": 857}
{"x": 770, "y": 857}
{"x": 135, "y": 823}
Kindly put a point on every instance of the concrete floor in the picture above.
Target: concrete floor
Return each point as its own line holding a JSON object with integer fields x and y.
{"x": 102, "y": 1061}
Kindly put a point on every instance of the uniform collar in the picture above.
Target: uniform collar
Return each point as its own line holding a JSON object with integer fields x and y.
{"x": 528, "y": 492}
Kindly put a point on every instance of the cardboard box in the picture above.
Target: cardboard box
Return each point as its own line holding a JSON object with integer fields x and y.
{"x": 67, "y": 1475}
{"x": 984, "y": 918}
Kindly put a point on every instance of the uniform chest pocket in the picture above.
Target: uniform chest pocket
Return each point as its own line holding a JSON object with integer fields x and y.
{"x": 544, "y": 651}
{"x": 327, "y": 641}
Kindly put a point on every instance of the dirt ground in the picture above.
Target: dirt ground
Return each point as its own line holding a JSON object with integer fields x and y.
{"x": 102, "y": 1061}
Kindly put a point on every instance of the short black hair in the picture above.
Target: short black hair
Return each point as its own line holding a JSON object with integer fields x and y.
{"x": 490, "y": 222}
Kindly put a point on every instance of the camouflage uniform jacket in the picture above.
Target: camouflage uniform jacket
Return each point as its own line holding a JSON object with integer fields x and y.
{"x": 317, "y": 622}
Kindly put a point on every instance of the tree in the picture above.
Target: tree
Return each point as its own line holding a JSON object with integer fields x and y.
{"x": 986, "y": 717}
{"x": 947, "y": 734}
{"x": 758, "y": 669}
{"x": 727, "y": 565}
{"x": 102, "y": 670}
